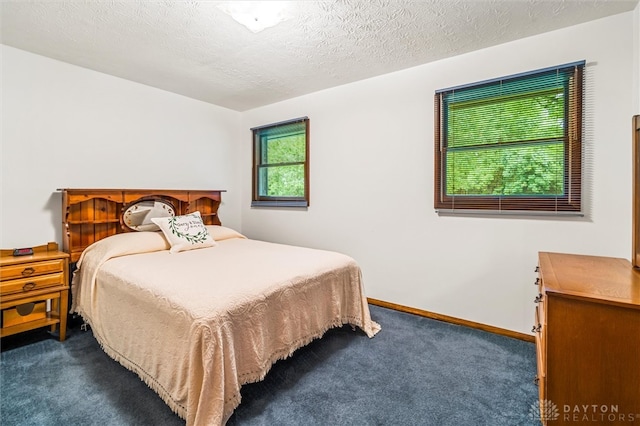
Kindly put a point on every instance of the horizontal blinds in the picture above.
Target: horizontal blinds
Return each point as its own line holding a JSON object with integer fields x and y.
{"x": 282, "y": 130}
{"x": 511, "y": 143}
{"x": 274, "y": 126}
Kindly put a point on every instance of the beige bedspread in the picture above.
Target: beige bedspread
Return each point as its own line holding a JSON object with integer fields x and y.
{"x": 196, "y": 325}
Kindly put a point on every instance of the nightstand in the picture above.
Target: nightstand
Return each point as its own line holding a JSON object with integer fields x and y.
{"x": 34, "y": 290}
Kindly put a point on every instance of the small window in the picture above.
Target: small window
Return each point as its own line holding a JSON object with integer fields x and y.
{"x": 281, "y": 164}
{"x": 511, "y": 144}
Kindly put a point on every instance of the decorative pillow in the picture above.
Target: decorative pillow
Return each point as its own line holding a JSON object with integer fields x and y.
{"x": 186, "y": 232}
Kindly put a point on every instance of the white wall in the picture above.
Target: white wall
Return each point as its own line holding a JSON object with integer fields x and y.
{"x": 372, "y": 180}
{"x": 68, "y": 127}
{"x": 371, "y": 166}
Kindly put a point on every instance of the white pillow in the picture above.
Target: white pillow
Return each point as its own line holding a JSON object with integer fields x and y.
{"x": 219, "y": 232}
{"x": 186, "y": 232}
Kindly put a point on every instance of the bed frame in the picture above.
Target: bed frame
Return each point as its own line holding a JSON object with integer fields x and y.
{"x": 89, "y": 215}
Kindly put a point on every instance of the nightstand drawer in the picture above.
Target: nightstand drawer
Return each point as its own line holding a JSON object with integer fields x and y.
{"x": 27, "y": 270}
{"x": 24, "y": 313}
{"x": 34, "y": 290}
{"x": 28, "y": 284}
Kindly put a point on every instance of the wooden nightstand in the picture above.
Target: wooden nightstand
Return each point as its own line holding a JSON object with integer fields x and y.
{"x": 34, "y": 290}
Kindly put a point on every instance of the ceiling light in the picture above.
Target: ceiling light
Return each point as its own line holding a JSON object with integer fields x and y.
{"x": 256, "y": 15}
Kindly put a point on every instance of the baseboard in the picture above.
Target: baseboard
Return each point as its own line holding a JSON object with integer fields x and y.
{"x": 453, "y": 320}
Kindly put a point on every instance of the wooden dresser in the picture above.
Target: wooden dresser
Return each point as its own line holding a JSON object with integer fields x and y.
{"x": 34, "y": 290}
{"x": 587, "y": 327}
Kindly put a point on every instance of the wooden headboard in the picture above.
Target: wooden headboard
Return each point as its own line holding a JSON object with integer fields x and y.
{"x": 89, "y": 215}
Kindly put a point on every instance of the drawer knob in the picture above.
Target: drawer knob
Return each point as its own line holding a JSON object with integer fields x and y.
{"x": 28, "y": 286}
{"x": 538, "y": 299}
{"x": 27, "y": 271}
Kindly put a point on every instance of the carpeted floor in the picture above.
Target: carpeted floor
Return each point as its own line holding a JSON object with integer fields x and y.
{"x": 416, "y": 371}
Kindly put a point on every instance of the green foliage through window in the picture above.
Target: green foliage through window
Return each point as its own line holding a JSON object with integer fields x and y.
{"x": 511, "y": 143}
{"x": 280, "y": 163}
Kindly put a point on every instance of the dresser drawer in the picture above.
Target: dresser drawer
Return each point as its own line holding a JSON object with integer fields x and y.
{"x": 24, "y": 285}
{"x": 26, "y": 270}
{"x": 539, "y": 280}
{"x": 540, "y": 344}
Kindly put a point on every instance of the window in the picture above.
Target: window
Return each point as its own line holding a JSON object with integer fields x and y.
{"x": 511, "y": 144}
{"x": 281, "y": 164}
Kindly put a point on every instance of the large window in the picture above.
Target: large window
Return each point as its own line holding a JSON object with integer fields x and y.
{"x": 281, "y": 164}
{"x": 511, "y": 144}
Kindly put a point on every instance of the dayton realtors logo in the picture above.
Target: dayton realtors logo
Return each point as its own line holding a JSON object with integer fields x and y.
{"x": 546, "y": 410}
{"x": 600, "y": 414}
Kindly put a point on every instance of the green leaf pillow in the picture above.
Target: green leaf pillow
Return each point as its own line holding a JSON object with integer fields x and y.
{"x": 186, "y": 232}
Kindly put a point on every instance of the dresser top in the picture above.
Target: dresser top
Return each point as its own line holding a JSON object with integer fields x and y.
{"x": 608, "y": 279}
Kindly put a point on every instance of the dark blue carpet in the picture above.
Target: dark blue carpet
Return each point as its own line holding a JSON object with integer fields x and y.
{"x": 416, "y": 371}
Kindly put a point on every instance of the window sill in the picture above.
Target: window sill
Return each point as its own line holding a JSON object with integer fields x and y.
{"x": 470, "y": 212}
{"x": 281, "y": 203}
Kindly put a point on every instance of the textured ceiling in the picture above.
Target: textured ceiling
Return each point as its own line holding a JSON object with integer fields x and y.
{"x": 193, "y": 48}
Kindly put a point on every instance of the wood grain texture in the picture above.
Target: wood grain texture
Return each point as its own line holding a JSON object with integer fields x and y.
{"x": 635, "y": 253}
{"x": 34, "y": 279}
{"x": 589, "y": 340}
{"x": 605, "y": 279}
{"x": 89, "y": 215}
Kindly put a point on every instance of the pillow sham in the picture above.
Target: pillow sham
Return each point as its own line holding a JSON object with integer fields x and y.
{"x": 186, "y": 232}
{"x": 125, "y": 244}
{"x": 219, "y": 232}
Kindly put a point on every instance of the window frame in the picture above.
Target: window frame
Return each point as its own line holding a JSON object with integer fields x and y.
{"x": 567, "y": 203}
{"x": 278, "y": 201}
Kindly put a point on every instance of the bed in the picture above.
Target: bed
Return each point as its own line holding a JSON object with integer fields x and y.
{"x": 196, "y": 323}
